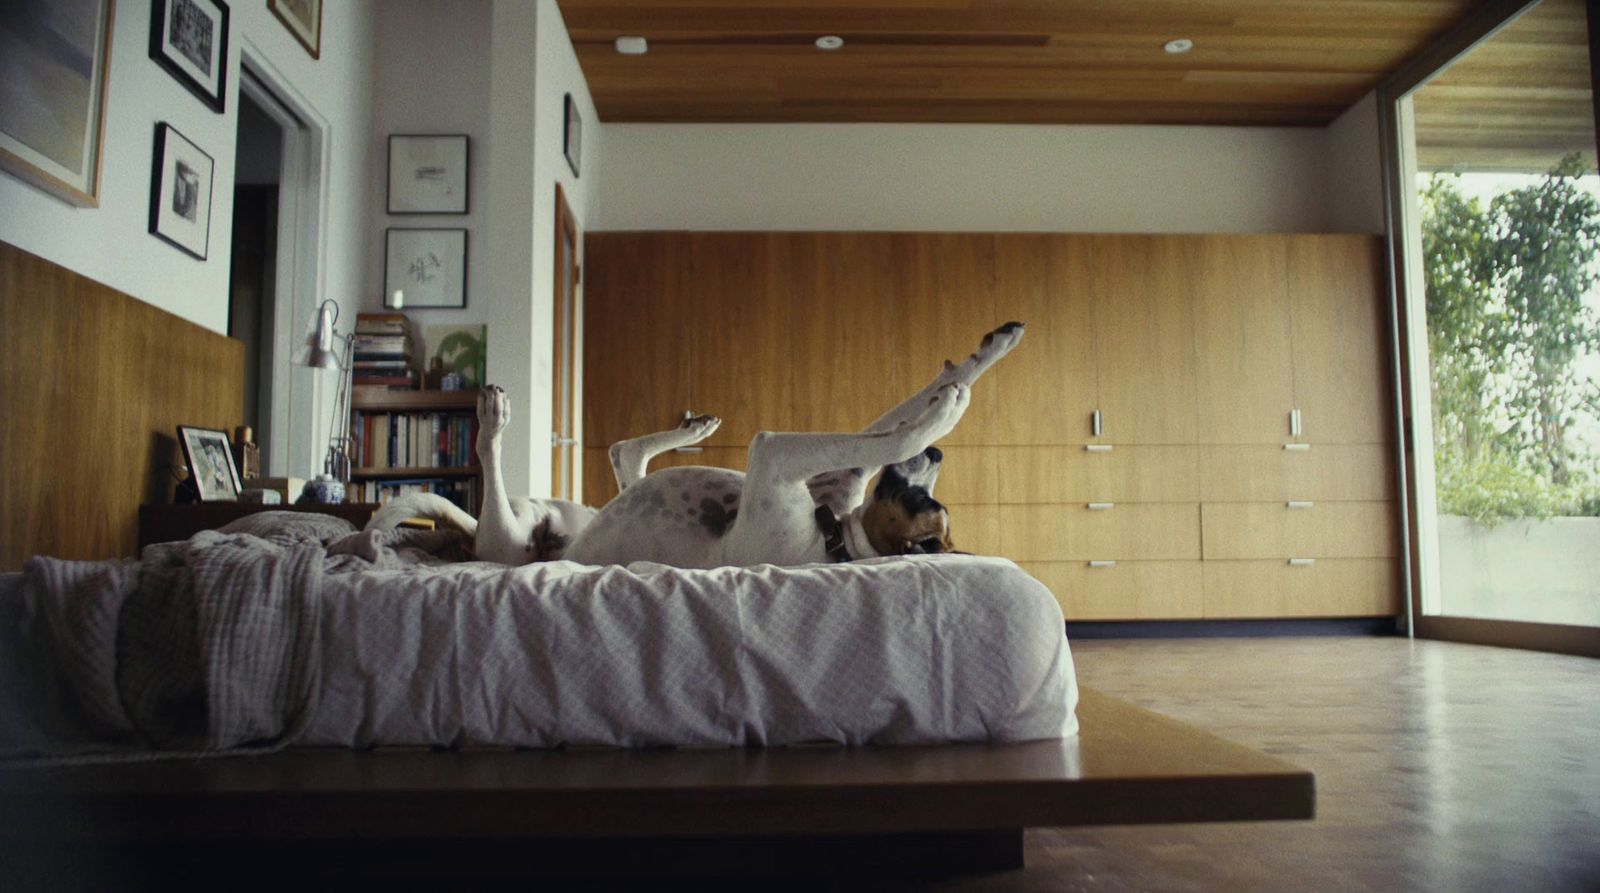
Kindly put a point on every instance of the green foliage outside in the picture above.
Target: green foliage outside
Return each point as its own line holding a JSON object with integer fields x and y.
{"x": 1506, "y": 326}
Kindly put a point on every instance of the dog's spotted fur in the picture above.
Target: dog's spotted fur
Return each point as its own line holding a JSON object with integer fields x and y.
{"x": 709, "y": 517}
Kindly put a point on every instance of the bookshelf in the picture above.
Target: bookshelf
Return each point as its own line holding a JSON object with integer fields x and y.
{"x": 410, "y": 441}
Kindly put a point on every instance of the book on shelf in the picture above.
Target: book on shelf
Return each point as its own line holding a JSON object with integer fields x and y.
{"x": 388, "y": 440}
{"x": 382, "y": 324}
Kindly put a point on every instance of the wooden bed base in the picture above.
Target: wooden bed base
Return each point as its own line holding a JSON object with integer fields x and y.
{"x": 954, "y": 808}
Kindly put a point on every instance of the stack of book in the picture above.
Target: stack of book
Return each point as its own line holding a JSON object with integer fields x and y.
{"x": 383, "y": 352}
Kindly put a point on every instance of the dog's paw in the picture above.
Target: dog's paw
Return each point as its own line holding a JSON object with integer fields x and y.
{"x": 995, "y": 345}
{"x": 494, "y": 412}
{"x": 700, "y": 427}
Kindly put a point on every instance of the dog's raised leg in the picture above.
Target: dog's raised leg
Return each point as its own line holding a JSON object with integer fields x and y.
{"x": 502, "y": 536}
{"x": 842, "y": 490}
{"x": 775, "y": 506}
{"x": 630, "y": 458}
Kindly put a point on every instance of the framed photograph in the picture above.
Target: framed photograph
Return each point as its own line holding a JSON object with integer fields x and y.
{"x": 189, "y": 38}
{"x": 428, "y": 173}
{"x": 210, "y": 457}
{"x": 180, "y": 192}
{"x": 425, "y": 268}
{"x": 54, "y": 60}
{"x": 303, "y": 18}
{"x": 572, "y": 135}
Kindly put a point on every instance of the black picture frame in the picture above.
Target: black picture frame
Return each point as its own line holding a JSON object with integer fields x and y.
{"x": 181, "y": 180}
{"x": 209, "y": 455}
{"x": 198, "y": 50}
{"x": 446, "y": 158}
{"x": 404, "y": 246}
{"x": 572, "y": 134}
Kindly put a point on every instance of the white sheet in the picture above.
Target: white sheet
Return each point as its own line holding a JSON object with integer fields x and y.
{"x": 888, "y": 651}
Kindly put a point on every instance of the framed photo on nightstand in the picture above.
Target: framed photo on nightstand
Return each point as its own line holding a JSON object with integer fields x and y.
{"x": 209, "y": 455}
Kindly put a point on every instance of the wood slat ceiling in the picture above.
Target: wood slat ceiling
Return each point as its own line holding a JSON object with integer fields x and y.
{"x": 1278, "y": 62}
{"x": 1518, "y": 102}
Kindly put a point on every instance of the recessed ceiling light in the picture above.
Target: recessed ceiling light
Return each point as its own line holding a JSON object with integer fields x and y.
{"x": 1181, "y": 45}
{"x": 632, "y": 46}
{"x": 829, "y": 42}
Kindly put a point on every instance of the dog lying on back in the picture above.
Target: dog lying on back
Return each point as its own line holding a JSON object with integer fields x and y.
{"x": 803, "y": 498}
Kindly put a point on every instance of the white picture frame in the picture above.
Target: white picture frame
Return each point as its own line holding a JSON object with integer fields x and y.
{"x": 425, "y": 268}
{"x": 428, "y": 173}
{"x": 53, "y": 137}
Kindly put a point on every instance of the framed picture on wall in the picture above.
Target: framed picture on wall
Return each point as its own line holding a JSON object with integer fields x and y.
{"x": 209, "y": 455}
{"x": 189, "y": 38}
{"x": 51, "y": 133}
{"x": 425, "y": 268}
{"x": 572, "y": 135}
{"x": 428, "y": 173}
{"x": 180, "y": 192}
{"x": 303, "y": 18}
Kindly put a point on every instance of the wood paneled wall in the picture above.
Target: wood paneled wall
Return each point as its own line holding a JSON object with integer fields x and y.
{"x": 1194, "y": 349}
{"x": 93, "y": 384}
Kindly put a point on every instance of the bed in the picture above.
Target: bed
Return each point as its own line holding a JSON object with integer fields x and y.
{"x": 287, "y": 629}
{"x": 449, "y": 805}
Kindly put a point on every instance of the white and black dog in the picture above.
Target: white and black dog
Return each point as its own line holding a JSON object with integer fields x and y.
{"x": 804, "y": 498}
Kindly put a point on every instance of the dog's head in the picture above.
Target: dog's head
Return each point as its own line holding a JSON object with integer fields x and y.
{"x": 903, "y": 518}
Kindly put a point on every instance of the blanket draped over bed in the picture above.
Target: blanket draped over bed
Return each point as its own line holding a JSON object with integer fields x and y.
{"x": 310, "y": 634}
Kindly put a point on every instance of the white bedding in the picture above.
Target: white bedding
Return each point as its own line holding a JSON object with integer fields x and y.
{"x": 354, "y": 640}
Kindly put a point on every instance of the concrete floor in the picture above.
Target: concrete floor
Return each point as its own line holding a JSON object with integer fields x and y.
{"x": 1440, "y": 767}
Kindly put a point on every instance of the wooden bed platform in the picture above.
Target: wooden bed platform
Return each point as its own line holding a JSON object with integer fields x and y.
{"x": 937, "y": 809}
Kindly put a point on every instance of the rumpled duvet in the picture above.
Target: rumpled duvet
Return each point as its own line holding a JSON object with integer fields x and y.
{"x": 292, "y": 629}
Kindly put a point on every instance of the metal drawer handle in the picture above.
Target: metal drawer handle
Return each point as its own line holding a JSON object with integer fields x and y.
{"x": 688, "y": 449}
{"x": 1300, "y": 503}
{"x": 1302, "y": 562}
{"x": 1100, "y": 506}
{"x": 1297, "y": 446}
{"x": 1096, "y": 423}
{"x": 1098, "y": 447}
{"x": 1102, "y": 564}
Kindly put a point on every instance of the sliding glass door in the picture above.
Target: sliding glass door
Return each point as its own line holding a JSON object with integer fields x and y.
{"x": 1498, "y": 227}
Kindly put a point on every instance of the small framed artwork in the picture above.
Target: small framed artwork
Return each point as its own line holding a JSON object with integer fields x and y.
{"x": 210, "y": 459}
{"x": 52, "y": 127}
{"x": 428, "y": 173}
{"x": 303, "y": 18}
{"x": 425, "y": 268}
{"x": 189, "y": 38}
{"x": 572, "y": 135}
{"x": 180, "y": 192}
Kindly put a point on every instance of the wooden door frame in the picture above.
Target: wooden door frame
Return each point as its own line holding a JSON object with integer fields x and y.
{"x": 1482, "y": 24}
{"x": 564, "y": 369}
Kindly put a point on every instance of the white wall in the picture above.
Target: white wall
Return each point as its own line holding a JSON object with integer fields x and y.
{"x": 1355, "y": 170}
{"x": 432, "y": 76}
{"x": 496, "y": 70}
{"x": 110, "y": 244}
{"x": 952, "y": 177}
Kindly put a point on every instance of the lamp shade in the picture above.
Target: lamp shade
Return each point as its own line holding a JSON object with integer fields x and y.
{"x": 322, "y": 355}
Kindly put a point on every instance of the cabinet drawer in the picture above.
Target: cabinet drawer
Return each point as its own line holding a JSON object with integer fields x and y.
{"x": 1074, "y": 532}
{"x": 1234, "y": 530}
{"x": 1334, "y": 587}
{"x": 1129, "y": 590}
{"x": 1022, "y": 475}
{"x": 1325, "y": 471}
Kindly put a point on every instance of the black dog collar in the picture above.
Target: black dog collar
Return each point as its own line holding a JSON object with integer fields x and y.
{"x": 832, "y": 534}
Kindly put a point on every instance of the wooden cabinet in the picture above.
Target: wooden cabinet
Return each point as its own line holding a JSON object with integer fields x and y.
{"x": 1144, "y": 337}
{"x": 1245, "y": 367}
{"x": 1337, "y": 587}
{"x": 1194, "y": 348}
{"x": 1341, "y": 339}
{"x": 637, "y": 321}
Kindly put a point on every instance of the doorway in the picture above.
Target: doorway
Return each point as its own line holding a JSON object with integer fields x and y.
{"x": 252, "y": 283}
{"x": 564, "y": 437}
{"x": 1495, "y": 217}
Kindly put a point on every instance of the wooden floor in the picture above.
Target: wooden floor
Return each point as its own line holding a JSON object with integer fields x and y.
{"x": 1440, "y": 767}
